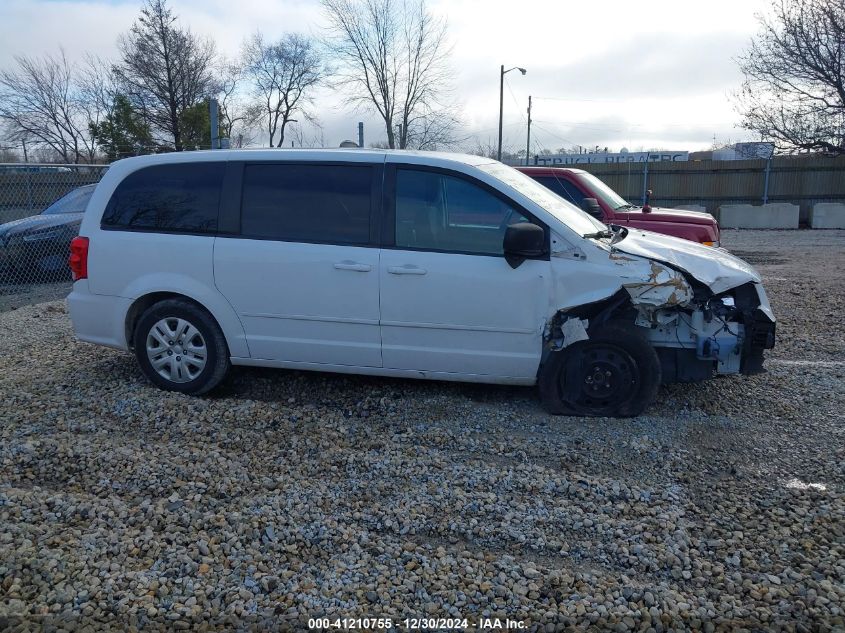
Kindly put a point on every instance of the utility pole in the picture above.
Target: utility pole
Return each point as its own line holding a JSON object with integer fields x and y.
{"x": 501, "y": 108}
{"x": 768, "y": 170}
{"x": 528, "y": 142}
{"x": 28, "y": 177}
{"x": 215, "y": 128}
{"x": 360, "y": 134}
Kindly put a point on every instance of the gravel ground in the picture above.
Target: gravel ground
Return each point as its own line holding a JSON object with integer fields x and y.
{"x": 291, "y": 495}
{"x": 14, "y": 296}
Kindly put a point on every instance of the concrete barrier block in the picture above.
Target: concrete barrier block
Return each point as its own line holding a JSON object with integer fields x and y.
{"x": 782, "y": 215}
{"x": 778, "y": 215}
{"x": 737, "y": 216}
{"x": 827, "y": 215}
{"x": 692, "y": 207}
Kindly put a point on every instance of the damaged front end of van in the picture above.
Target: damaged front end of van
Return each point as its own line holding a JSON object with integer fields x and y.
{"x": 703, "y": 311}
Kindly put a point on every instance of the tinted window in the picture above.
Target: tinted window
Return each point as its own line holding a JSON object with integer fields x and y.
{"x": 307, "y": 203}
{"x": 180, "y": 197}
{"x": 73, "y": 202}
{"x": 441, "y": 212}
{"x": 563, "y": 188}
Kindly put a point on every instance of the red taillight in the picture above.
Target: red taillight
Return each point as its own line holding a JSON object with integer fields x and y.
{"x": 78, "y": 260}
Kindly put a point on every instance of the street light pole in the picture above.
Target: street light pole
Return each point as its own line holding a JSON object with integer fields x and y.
{"x": 501, "y": 108}
{"x": 528, "y": 142}
{"x": 502, "y": 73}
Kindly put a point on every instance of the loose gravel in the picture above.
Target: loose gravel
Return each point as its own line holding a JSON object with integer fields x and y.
{"x": 292, "y": 495}
{"x": 18, "y": 295}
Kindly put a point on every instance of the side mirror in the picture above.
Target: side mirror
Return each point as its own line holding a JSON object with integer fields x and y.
{"x": 591, "y": 206}
{"x": 523, "y": 240}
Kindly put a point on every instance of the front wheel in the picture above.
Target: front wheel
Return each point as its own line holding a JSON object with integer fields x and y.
{"x": 180, "y": 347}
{"x": 615, "y": 373}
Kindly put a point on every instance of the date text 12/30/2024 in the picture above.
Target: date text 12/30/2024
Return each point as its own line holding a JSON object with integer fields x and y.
{"x": 417, "y": 624}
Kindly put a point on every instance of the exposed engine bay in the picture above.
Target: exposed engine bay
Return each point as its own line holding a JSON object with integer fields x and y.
{"x": 695, "y": 331}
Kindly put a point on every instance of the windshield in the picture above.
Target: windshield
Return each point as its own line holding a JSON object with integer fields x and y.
{"x": 570, "y": 215}
{"x": 608, "y": 195}
{"x": 73, "y": 202}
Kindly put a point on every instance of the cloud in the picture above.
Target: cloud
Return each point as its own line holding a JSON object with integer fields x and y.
{"x": 670, "y": 65}
{"x": 601, "y": 73}
{"x": 79, "y": 26}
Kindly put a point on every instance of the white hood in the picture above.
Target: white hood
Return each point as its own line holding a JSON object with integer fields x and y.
{"x": 716, "y": 268}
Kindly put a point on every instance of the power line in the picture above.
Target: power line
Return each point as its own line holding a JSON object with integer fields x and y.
{"x": 583, "y": 100}
{"x": 493, "y": 129}
{"x": 515, "y": 102}
{"x": 598, "y": 127}
{"x": 557, "y": 136}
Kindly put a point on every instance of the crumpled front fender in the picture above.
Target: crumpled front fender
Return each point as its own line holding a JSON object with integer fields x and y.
{"x": 664, "y": 288}
{"x": 650, "y": 285}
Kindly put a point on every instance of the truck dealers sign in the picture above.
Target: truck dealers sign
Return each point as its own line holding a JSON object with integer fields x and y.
{"x": 607, "y": 157}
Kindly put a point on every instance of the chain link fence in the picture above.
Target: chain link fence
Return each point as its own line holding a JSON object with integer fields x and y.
{"x": 41, "y": 208}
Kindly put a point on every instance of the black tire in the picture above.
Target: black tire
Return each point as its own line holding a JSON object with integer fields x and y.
{"x": 191, "y": 378}
{"x": 616, "y": 373}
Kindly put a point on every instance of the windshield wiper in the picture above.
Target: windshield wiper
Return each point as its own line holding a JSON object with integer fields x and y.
{"x": 615, "y": 234}
{"x": 599, "y": 235}
{"x": 626, "y": 206}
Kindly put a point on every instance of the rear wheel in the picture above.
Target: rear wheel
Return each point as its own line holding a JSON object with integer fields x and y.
{"x": 180, "y": 347}
{"x": 616, "y": 373}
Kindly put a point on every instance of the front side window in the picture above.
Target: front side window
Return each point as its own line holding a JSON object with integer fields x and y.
{"x": 307, "y": 203}
{"x": 173, "y": 198}
{"x": 564, "y": 211}
{"x": 441, "y": 212}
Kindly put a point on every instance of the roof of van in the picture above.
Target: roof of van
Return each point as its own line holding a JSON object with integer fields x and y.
{"x": 544, "y": 170}
{"x": 341, "y": 155}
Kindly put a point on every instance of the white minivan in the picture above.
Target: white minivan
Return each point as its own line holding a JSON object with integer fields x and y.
{"x": 393, "y": 263}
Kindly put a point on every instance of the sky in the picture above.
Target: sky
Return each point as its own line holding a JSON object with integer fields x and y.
{"x": 608, "y": 73}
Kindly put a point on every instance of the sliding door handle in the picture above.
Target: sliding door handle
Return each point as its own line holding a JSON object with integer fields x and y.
{"x": 347, "y": 265}
{"x": 407, "y": 269}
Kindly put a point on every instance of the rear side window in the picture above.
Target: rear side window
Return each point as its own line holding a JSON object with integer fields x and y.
{"x": 307, "y": 203}
{"x": 176, "y": 198}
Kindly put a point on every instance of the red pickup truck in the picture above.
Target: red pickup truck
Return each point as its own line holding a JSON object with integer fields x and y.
{"x": 593, "y": 196}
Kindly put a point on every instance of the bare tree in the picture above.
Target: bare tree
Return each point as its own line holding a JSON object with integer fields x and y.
{"x": 431, "y": 130}
{"x": 393, "y": 54}
{"x": 165, "y": 70}
{"x": 308, "y": 134}
{"x": 236, "y": 116}
{"x": 489, "y": 149}
{"x": 486, "y": 148}
{"x": 97, "y": 88}
{"x": 9, "y": 154}
{"x": 282, "y": 75}
{"x": 794, "y": 88}
{"x": 41, "y": 102}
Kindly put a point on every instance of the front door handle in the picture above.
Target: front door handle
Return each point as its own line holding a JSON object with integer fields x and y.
{"x": 407, "y": 269}
{"x": 348, "y": 265}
